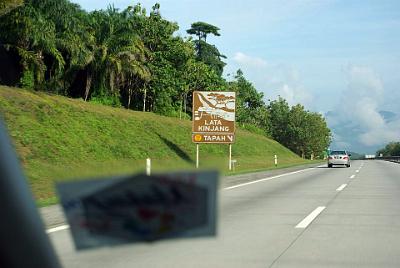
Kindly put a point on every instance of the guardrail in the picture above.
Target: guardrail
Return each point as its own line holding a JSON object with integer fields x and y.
{"x": 395, "y": 159}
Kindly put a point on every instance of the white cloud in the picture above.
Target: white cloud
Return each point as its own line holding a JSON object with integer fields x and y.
{"x": 249, "y": 61}
{"x": 295, "y": 95}
{"x": 363, "y": 82}
{"x": 358, "y": 112}
{"x": 274, "y": 79}
{"x": 379, "y": 135}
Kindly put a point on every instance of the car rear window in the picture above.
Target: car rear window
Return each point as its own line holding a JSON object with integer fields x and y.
{"x": 338, "y": 152}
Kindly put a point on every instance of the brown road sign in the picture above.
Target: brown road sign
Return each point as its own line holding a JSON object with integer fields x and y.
{"x": 214, "y": 115}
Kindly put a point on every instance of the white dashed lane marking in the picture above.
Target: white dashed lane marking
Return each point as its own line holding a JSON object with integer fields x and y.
{"x": 307, "y": 220}
{"x": 58, "y": 228}
{"x": 341, "y": 187}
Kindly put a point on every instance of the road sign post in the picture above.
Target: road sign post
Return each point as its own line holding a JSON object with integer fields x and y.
{"x": 197, "y": 155}
{"x": 214, "y": 119}
{"x": 230, "y": 156}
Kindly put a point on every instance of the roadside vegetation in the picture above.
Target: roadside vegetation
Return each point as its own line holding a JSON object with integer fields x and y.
{"x": 104, "y": 90}
{"x": 391, "y": 149}
{"x": 8, "y": 5}
{"x": 61, "y": 138}
{"x": 134, "y": 58}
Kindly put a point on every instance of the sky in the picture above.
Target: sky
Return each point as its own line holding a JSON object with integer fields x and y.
{"x": 339, "y": 58}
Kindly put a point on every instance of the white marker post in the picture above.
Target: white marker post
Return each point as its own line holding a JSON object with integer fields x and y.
{"x": 276, "y": 160}
{"x": 230, "y": 157}
{"x": 197, "y": 155}
{"x": 148, "y": 166}
{"x": 233, "y": 164}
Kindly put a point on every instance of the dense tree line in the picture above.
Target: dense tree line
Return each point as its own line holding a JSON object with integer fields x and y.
{"x": 391, "y": 149}
{"x": 8, "y": 5}
{"x": 134, "y": 59}
{"x": 129, "y": 57}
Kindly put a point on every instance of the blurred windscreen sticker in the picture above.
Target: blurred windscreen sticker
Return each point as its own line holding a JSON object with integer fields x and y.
{"x": 140, "y": 208}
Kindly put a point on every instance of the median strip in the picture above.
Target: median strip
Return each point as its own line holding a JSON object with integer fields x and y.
{"x": 307, "y": 220}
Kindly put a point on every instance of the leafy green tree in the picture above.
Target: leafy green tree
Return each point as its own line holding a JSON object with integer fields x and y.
{"x": 304, "y": 132}
{"x": 72, "y": 38}
{"x": 320, "y": 135}
{"x": 298, "y": 130}
{"x": 202, "y": 29}
{"x": 207, "y": 53}
{"x": 172, "y": 63}
{"x": 167, "y": 57}
{"x": 279, "y": 116}
{"x": 27, "y": 32}
{"x": 391, "y": 149}
{"x": 118, "y": 55}
{"x": 210, "y": 55}
{"x": 308, "y": 131}
{"x": 251, "y": 110}
{"x": 8, "y": 5}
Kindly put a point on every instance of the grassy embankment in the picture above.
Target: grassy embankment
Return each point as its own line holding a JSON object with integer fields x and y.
{"x": 59, "y": 138}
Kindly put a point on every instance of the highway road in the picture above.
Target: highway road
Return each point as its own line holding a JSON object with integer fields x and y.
{"x": 318, "y": 217}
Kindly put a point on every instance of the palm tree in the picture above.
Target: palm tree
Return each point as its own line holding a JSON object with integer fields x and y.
{"x": 119, "y": 54}
{"x": 73, "y": 38}
{"x": 8, "y": 5}
{"x": 33, "y": 37}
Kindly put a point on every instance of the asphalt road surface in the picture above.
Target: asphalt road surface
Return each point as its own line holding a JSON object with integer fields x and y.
{"x": 318, "y": 217}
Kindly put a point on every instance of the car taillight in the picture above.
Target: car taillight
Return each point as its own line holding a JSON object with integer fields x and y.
{"x": 345, "y": 157}
{"x": 330, "y": 157}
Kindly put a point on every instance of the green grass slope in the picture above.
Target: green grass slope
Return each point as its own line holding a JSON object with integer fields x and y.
{"x": 59, "y": 138}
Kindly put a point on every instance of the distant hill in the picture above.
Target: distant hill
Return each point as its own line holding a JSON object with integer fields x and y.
{"x": 58, "y": 137}
{"x": 356, "y": 156}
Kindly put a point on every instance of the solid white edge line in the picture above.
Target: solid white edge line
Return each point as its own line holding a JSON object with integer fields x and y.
{"x": 352, "y": 176}
{"x": 58, "y": 228}
{"x": 307, "y": 220}
{"x": 341, "y": 187}
{"x": 266, "y": 179}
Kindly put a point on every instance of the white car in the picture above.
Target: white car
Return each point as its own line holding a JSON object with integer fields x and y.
{"x": 339, "y": 158}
